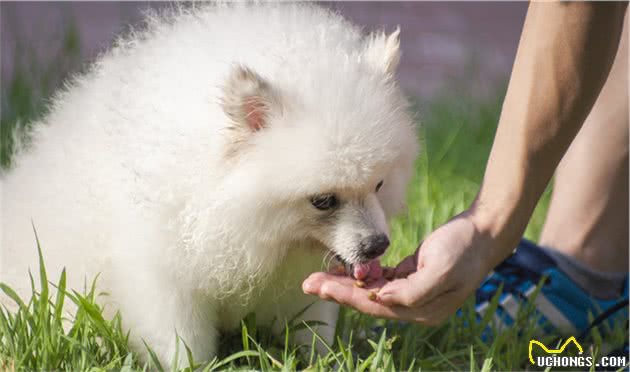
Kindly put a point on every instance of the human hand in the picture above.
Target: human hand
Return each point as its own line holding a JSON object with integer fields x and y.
{"x": 430, "y": 284}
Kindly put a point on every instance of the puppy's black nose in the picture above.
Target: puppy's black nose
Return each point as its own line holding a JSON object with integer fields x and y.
{"x": 373, "y": 246}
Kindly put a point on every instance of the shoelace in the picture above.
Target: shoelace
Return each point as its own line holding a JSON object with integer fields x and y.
{"x": 603, "y": 316}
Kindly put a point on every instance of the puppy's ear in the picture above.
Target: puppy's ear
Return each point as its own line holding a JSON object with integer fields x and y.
{"x": 247, "y": 99}
{"x": 383, "y": 51}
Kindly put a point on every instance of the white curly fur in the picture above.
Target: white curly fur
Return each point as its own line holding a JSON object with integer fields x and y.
{"x": 192, "y": 214}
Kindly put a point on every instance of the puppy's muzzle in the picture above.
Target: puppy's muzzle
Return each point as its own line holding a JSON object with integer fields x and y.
{"x": 373, "y": 246}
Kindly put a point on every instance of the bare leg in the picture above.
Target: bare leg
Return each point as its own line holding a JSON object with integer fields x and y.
{"x": 588, "y": 215}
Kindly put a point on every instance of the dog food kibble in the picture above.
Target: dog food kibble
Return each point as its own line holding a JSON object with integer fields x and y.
{"x": 372, "y": 296}
{"x": 359, "y": 284}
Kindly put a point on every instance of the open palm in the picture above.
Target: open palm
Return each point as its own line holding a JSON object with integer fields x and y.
{"x": 430, "y": 284}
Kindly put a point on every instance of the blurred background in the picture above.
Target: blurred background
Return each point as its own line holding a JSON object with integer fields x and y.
{"x": 442, "y": 42}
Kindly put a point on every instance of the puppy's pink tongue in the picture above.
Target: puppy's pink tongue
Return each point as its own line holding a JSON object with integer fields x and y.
{"x": 361, "y": 270}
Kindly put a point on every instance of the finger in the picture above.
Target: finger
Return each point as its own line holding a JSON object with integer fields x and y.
{"x": 389, "y": 273}
{"x": 414, "y": 290}
{"x": 407, "y": 266}
{"x": 345, "y": 293}
{"x": 313, "y": 283}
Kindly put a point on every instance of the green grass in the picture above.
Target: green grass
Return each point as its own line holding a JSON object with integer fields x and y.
{"x": 42, "y": 332}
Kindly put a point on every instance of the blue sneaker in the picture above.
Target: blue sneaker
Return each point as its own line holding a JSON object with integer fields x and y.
{"x": 562, "y": 306}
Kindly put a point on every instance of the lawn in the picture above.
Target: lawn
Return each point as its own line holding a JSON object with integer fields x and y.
{"x": 456, "y": 135}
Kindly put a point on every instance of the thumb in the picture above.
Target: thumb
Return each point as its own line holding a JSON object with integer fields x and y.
{"x": 414, "y": 290}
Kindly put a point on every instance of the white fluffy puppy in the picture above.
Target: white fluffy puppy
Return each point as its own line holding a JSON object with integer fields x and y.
{"x": 205, "y": 166}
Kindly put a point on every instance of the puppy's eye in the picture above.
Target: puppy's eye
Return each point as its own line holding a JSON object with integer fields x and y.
{"x": 379, "y": 185}
{"x": 324, "y": 202}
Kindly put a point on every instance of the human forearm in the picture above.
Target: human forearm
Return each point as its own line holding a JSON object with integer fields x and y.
{"x": 563, "y": 59}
